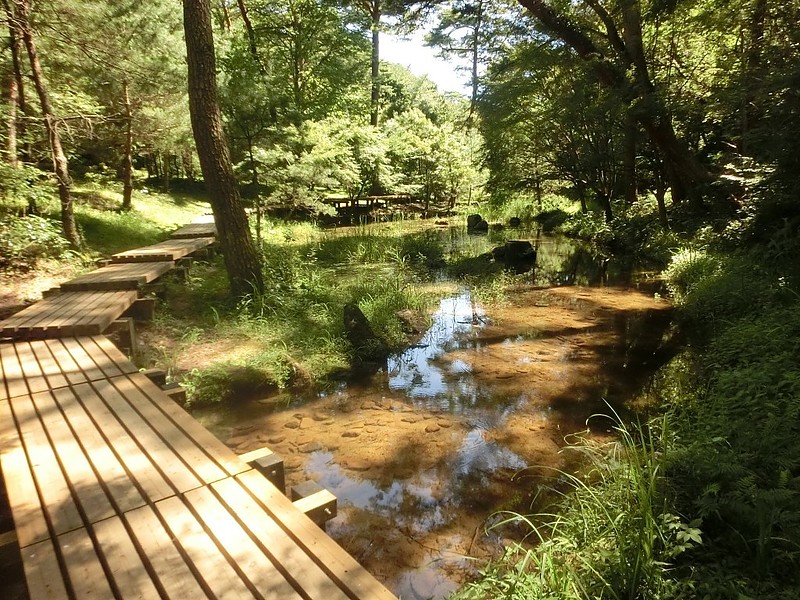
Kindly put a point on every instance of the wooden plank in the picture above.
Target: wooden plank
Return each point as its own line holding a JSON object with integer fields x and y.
{"x": 119, "y": 276}
{"x": 157, "y": 545}
{"x": 184, "y": 448}
{"x": 249, "y": 557}
{"x": 108, "y": 365}
{"x": 294, "y": 561}
{"x": 161, "y": 453}
{"x": 34, "y": 376}
{"x": 65, "y": 361}
{"x": 114, "y": 354}
{"x": 208, "y": 562}
{"x": 104, "y": 309}
{"x": 84, "y": 569}
{"x": 195, "y": 230}
{"x": 58, "y": 322}
{"x": 23, "y": 498}
{"x": 82, "y": 359}
{"x": 53, "y": 488}
{"x": 83, "y": 481}
{"x": 213, "y": 447}
{"x": 352, "y": 577}
{"x": 75, "y": 306}
{"x": 13, "y": 376}
{"x": 50, "y": 367}
{"x": 69, "y": 313}
{"x": 42, "y": 572}
{"x": 138, "y": 465}
{"x": 28, "y": 314}
{"x": 115, "y": 480}
{"x": 123, "y": 561}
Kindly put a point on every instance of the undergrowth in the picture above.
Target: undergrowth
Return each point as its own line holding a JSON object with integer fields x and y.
{"x": 614, "y": 534}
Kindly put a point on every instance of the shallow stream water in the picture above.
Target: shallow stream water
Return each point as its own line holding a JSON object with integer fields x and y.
{"x": 469, "y": 421}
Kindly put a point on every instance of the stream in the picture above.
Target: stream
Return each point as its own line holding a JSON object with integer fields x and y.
{"x": 469, "y": 421}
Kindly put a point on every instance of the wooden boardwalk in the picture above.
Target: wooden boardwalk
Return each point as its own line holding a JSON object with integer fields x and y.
{"x": 195, "y": 230}
{"x": 68, "y": 314}
{"x": 119, "y": 276}
{"x": 117, "y": 492}
{"x": 168, "y": 250}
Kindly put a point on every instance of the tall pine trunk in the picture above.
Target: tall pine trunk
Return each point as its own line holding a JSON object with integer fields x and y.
{"x": 241, "y": 261}
{"x": 51, "y": 125}
{"x": 16, "y": 91}
{"x": 375, "y": 99}
{"x": 127, "y": 158}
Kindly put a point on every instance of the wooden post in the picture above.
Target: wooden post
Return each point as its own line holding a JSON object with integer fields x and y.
{"x": 157, "y": 376}
{"x": 315, "y": 501}
{"x": 125, "y": 332}
{"x": 175, "y": 391}
{"x": 269, "y": 464}
{"x": 142, "y": 309}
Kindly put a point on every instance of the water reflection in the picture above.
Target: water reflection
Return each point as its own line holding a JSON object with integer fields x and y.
{"x": 416, "y": 371}
{"x": 382, "y": 447}
{"x": 427, "y": 500}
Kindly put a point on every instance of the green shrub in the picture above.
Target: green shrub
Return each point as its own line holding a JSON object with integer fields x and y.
{"x": 614, "y": 535}
{"x": 740, "y": 468}
{"x": 26, "y": 240}
{"x": 687, "y": 269}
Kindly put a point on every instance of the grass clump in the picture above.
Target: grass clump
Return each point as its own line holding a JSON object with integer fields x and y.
{"x": 24, "y": 241}
{"x": 614, "y": 535}
{"x": 293, "y": 334}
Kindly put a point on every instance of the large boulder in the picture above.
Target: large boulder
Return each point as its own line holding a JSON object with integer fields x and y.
{"x": 368, "y": 348}
{"x": 518, "y": 255}
{"x": 477, "y": 224}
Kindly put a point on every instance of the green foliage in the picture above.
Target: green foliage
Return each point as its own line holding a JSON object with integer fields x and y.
{"x": 381, "y": 244}
{"x": 26, "y": 240}
{"x": 688, "y": 269}
{"x": 614, "y": 534}
{"x": 23, "y": 188}
{"x": 222, "y": 382}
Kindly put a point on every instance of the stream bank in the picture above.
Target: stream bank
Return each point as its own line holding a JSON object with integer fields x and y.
{"x": 467, "y": 422}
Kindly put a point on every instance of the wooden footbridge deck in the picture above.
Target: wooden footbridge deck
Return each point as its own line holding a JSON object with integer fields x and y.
{"x": 117, "y": 492}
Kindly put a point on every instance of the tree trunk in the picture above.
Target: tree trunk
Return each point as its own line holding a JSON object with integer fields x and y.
{"x": 251, "y": 36}
{"x": 241, "y": 261}
{"x": 226, "y": 15}
{"x": 11, "y": 137}
{"x": 60, "y": 167}
{"x": 475, "y": 51}
{"x": 629, "y": 159}
{"x": 16, "y": 91}
{"x": 752, "y": 67}
{"x": 376, "y": 64}
{"x": 127, "y": 158}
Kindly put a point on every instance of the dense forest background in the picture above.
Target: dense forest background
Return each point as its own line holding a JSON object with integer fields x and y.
{"x": 683, "y": 105}
{"x": 665, "y": 129}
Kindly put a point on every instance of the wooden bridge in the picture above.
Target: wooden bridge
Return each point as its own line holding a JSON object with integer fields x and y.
{"x": 117, "y": 492}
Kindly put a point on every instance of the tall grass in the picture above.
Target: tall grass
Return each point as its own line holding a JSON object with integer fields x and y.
{"x": 613, "y": 535}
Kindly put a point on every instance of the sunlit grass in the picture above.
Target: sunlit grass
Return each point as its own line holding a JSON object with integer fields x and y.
{"x": 613, "y": 535}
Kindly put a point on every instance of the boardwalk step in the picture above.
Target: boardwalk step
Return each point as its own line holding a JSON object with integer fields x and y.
{"x": 269, "y": 464}
{"x": 315, "y": 501}
{"x": 175, "y": 391}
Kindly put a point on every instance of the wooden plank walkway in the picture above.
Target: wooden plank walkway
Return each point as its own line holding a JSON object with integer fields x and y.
{"x": 116, "y": 492}
{"x": 194, "y": 230}
{"x": 119, "y": 276}
{"x": 168, "y": 250}
{"x": 68, "y": 314}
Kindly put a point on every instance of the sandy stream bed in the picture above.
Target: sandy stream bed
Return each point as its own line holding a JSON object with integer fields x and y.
{"x": 416, "y": 481}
